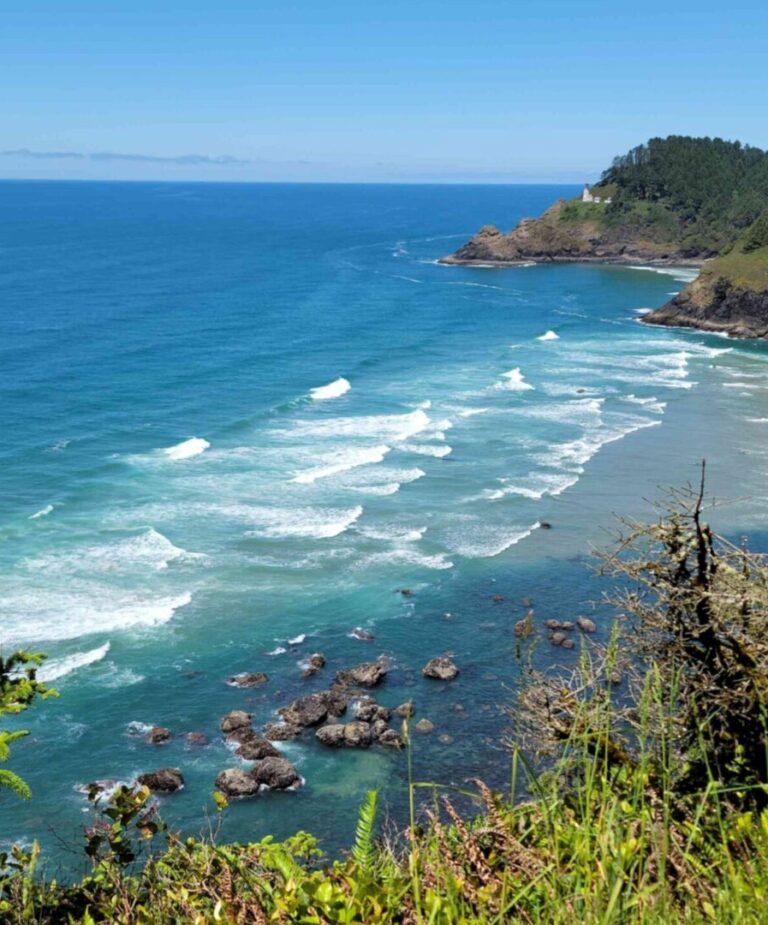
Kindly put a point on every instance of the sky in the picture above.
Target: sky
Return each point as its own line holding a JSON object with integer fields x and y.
{"x": 352, "y": 90}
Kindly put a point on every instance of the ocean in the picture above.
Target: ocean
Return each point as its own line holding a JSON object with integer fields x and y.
{"x": 239, "y": 419}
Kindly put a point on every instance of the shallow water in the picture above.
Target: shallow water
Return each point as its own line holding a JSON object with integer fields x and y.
{"x": 241, "y": 415}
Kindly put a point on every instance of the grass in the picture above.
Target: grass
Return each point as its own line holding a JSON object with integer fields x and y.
{"x": 595, "y": 841}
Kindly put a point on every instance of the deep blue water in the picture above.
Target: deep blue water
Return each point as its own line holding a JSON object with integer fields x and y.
{"x": 175, "y": 503}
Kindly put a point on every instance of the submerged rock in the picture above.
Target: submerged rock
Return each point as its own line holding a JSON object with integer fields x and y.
{"x": 158, "y": 735}
{"x": 164, "y": 780}
{"x": 248, "y": 679}
{"x": 557, "y": 639}
{"x": 586, "y": 625}
{"x": 391, "y": 739}
{"x": 362, "y": 634}
{"x": 254, "y": 749}
{"x": 424, "y": 727}
{"x": 441, "y": 668}
{"x": 235, "y": 783}
{"x": 196, "y": 738}
{"x": 405, "y": 709}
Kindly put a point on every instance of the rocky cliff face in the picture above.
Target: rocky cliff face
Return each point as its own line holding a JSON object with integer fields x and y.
{"x": 715, "y": 303}
{"x": 559, "y": 235}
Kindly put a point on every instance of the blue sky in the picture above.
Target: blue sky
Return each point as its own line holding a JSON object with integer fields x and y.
{"x": 401, "y": 90}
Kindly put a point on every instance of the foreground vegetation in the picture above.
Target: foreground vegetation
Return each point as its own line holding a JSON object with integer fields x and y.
{"x": 639, "y": 792}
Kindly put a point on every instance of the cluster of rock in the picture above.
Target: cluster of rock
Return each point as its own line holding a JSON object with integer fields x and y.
{"x": 320, "y": 711}
{"x": 558, "y": 630}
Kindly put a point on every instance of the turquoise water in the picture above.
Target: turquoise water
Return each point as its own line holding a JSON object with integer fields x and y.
{"x": 236, "y": 416}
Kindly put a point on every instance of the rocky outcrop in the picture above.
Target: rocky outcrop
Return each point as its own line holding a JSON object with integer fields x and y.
{"x": 164, "y": 780}
{"x": 560, "y": 236}
{"x": 276, "y": 774}
{"x": 235, "y": 784}
{"x": 255, "y": 749}
{"x": 367, "y": 674}
{"x": 714, "y": 302}
{"x": 234, "y": 720}
{"x": 159, "y": 735}
{"x": 314, "y": 708}
{"x": 248, "y": 679}
{"x": 441, "y": 668}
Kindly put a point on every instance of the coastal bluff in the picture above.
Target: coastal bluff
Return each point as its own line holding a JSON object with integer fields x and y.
{"x": 571, "y": 232}
{"x": 673, "y": 201}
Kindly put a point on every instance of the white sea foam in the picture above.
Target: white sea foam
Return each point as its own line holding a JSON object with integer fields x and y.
{"x": 484, "y": 541}
{"x": 393, "y": 532}
{"x": 146, "y": 550}
{"x": 650, "y": 404}
{"x": 682, "y": 274}
{"x": 388, "y": 488}
{"x": 535, "y": 486}
{"x": 123, "y": 677}
{"x": 186, "y": 449}
{"x": 43, "y": 512}
{"x": 514, "y": 381}
{"x": 58, "y": 668}
{"x": 297, "y": 640}
{"x": 471, "y": 412}
{"x": 550, "y": 335}
{"x": 278, "y": 650}
{"x": 407, "y": 555}
{"x": 81, "y": 608}
{"x": 576, "y": 453}
{"x": 342, "y": 461}
{"x": 313, "y": 523}
{"x": 757, "y": 420}
{"x": 426, "y": 449}
{"x": 645, "y": 311}
{"x": 383, "y": 427}
{"x": 334, "y": 389}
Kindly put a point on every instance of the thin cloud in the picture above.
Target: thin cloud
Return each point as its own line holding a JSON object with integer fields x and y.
{"x": 184, "y": 160}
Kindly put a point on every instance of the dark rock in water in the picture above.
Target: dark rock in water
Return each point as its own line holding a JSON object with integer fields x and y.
{"x": 568, "y": 644}
{"x": 557, "y": 639}
{"x": 441, "y": 668}
{"x": 255, "y": 749}
{"x": 406, "y": 592}
{"x": 553, "y": 624}
{"x": 345, "y": 735}
{"x": 405, "y": 709}
{"x": 458, "y": 708}
{"x": 196, "y": 738}
{"x": 362, "y": 634}
{"x": 276, "y": 774}
{"x": 235, "y": 719}
{"x": 235, "y": 783}
{"x": 424, "y": 727}
{"x": 545, "y": 525}
{"x": 369, "y": 711}
{"x": 567, "y": 625}
{"x": 164, "y": 780}
{"x": 331, "y": 735}
{"x": 497, "y": 599}
{"x": 391, "y": 739}
{"x": 314, "y": 708}
{"x": 445, "y": 738}
{"x": 281, "y": 732}
{"x": 193, "y": 674}
{"x": 248, "y": 679}
{"x": 586, "y": 625}
{"x": 306, "y": 711}
{"x": 158, "y": 735}
{"x": 378, "y": 728}
{"x": 367, "y": 674}
{"x": 525, "y": 602}
{"x": 314, "y": 663}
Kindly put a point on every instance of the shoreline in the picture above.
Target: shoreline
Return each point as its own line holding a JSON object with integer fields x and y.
{"x": 628, "y": 261}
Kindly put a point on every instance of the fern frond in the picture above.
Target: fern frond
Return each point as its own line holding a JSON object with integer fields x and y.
{"x": 362, "y": 850}
{"x": 11, "y": 781}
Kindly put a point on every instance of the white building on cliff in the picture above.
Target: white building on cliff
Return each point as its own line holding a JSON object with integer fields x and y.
{"x": 586, "y": 195}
